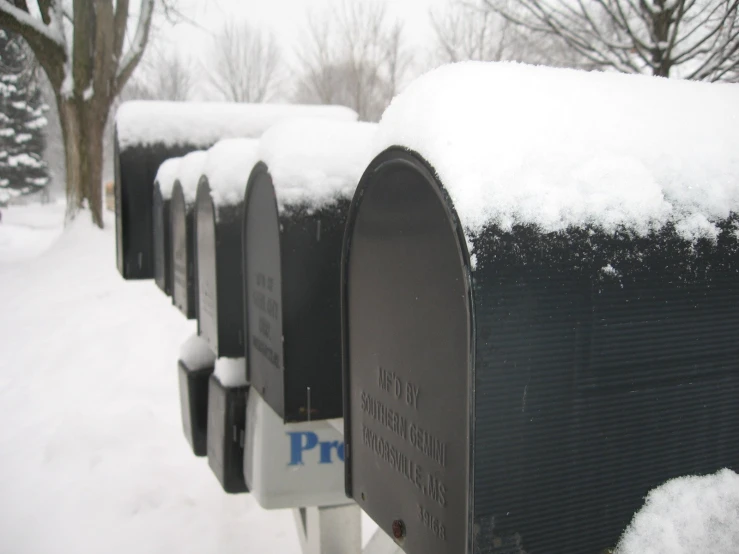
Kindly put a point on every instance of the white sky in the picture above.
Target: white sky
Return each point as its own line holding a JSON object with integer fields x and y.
{"x": 288, "y": 19}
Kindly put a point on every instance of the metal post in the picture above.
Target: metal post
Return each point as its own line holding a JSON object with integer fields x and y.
{"x": 331, "y": 530}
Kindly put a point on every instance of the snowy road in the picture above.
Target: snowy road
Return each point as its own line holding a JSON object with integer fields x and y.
{"x": 93, "y": 456}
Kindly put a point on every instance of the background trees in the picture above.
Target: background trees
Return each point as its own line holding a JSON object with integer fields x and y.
{"x": 691, "y": 39}
{"x": 355, "y": 56}
{"x": 23, "y": 169}
{"x": 84, "y": 48}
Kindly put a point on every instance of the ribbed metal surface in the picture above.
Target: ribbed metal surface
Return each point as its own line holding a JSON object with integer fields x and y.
{"x": 604, "y": 367}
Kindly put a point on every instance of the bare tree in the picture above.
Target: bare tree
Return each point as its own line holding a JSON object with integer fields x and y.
{"x": 81, "y": 47}
{"x": 164, "y": 74}
{"x": 244, "y": 63}
{"x": 693, "y": 39}
{"x": 355, "y": 57}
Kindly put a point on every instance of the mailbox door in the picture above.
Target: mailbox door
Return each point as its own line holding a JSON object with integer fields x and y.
{"x": 205, "y": 227}
{"x": 263, "y": 290}
{"x": 407, "y": 327}
{"x": 118, "y": 188}
{"x": 161, "y": 208}
{"x": 229, "y": 281}
{"x": 181, "y": 220}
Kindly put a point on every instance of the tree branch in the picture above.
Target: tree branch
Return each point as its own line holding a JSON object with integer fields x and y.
{"x": 133, "y": 56}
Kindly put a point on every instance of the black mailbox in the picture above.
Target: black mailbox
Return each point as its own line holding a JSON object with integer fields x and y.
{"x": 194, "y": 369}
{"x": 147, "y": 133}
{"x": 227, "y": 396}
{"x": 294, "y": 214}
{"x": 516, "y": 382}
{"x": 218, "y": 227}
{"x": 136, "y": 166}
{"x": 183, "y": 237}
{"x": 163, "y": 184}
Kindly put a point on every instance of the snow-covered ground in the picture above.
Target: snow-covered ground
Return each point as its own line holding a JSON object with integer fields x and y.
{"x": 93, "y": 458}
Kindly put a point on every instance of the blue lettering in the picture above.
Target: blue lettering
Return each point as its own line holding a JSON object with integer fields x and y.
{"x": 298, "y": 446}
{"x": 326, "y": 451}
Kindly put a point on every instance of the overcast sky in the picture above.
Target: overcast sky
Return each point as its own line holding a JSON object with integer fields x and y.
{"x": 287, "y": 19}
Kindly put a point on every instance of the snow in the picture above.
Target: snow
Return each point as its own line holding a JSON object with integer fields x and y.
{"x": 313, "y": 162}
{"x": 88, "y": 92}
{"x": 166, "y": 176}
{"x": 24, "y": 137}
{"x": 228, "y": 167}
{"x": 189, "y": 173}
{"x": 686, "y": 516}
{"x": 24, "y": 160}
{"x": 196, "y": 354}
{"x": 231, "y": 372}
{"x": 202, "y": 124}
{"x": 516, "y": 144}
{"x": 93, "y": 448}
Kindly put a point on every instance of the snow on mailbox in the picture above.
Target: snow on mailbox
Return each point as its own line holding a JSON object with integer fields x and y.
{"x": 183, "y": 239}
{"x": 218, "y": 226}
{"x": 163, "y": 183}
{"x": 295, "y": 209}
{"x": 147, "y": 133}
{"x": 540, "y": 288}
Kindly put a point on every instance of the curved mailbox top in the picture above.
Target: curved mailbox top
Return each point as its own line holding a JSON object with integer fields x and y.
{"x": 218, "y": 215}
{"x": 295, "y": 210}
{"x": 517, "y": 375}
{"x": 167, "y": 175}
{"x": 147, "y": 133}
{"x": 517, "y": 144}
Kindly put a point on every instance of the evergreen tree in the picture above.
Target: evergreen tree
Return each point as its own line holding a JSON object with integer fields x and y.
{"x": 22, "y": 141}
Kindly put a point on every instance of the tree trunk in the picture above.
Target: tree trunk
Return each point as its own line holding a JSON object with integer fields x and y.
{"x": 83, "y": 153}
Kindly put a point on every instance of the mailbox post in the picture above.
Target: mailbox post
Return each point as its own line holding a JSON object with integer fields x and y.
{"x": 166, "y": 176}
{"x": 147, "y": 133}
{"x": 537, "y": 333}
{"x": 218, "y": 229}
{"x": 296, "y": 203}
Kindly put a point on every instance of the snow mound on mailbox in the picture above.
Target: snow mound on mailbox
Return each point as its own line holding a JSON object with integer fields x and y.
{"x": 202, "y": 124}
{"x": 686, "y": 516}
{"x": 189, "y": 172}
{"x": 314, "y": 161}
{"x": 167, "y": 175}
{"x": 227, "y": 167}
{"x": 517, "y": 144}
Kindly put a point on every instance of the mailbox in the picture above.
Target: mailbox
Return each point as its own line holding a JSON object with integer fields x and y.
{"x": 218, "y": 228}
{"x": 147, "y": 133}
{"x": 295, "y": 209}
{"x": 163, "y": 184}
{"x": 226, "y": 423}
{"x": 183, "y": 238}
{"x": 292, "y": 465}
{"x": 136, "y": 165}
{"x": 194, "y": 369}
{"x": 541, "y": 320}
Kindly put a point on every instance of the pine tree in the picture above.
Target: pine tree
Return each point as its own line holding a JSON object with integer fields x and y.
{"x": 22, "y": 141}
